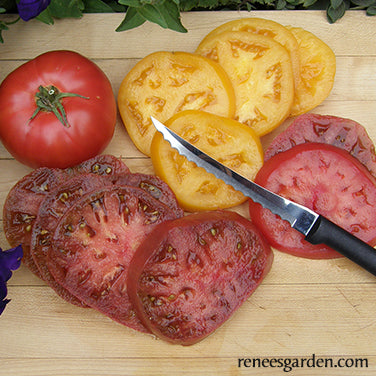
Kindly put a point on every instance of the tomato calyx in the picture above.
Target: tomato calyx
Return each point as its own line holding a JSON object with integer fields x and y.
{"x": 49, "y": 99}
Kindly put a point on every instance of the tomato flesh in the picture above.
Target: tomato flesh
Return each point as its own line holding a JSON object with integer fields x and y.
{"x": 191, "y": 274}
{"x": 230, "y": 142}
{"x": 344, "y": 133}
{"x": 21, "y": 208}
{"x": 323, "y": 178}
{"x": 23, "y": 201}
{"x": 53, "y": 207}
{"x": 94, "y": 243}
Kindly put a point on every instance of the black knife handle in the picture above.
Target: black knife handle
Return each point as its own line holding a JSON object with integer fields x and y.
{"x": 326, "y": 232}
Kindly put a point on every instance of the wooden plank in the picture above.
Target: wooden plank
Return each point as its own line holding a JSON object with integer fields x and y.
{"x": 185, "y": 366}
{"x": 277, "y": 319}
{"x": 91, "y": 35}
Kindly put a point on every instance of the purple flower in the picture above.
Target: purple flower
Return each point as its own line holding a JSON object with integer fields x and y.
{"x": 9, "y": 260}
{"x": 28, "y": 9}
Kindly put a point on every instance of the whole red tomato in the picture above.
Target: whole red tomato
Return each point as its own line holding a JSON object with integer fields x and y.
{"x": 56, "y": 110}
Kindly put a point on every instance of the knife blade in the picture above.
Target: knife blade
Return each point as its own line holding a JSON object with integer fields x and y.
{"x": 316, "y": 228}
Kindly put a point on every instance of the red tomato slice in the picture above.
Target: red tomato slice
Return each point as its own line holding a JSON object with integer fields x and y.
{"x": 191, "y": 274}
{"x": 326, "y": 179}
{"x": 94, "y": 243}
{"x": 343, "y": 133}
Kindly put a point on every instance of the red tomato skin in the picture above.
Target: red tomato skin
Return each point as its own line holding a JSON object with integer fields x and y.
{"x": 233, "y": 278}
{"x": 343, "y": 133}
{"x": 44, "y": 140}
{"x": 318, "y": 194}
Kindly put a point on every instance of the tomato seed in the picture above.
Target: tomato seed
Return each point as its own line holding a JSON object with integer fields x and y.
{"x": 201, "y": 240}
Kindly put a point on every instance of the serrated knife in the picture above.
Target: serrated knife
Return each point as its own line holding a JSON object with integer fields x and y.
{"x": 316, "y": 228}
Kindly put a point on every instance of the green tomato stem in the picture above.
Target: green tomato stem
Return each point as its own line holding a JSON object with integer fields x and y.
{"x": 49, "y": 99}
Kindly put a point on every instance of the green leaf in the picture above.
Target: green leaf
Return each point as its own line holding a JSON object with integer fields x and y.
{"x": 131, "y": 20}
{"x": 66, "y": 8}
{"x": 363, "y": 3}
{"x": 116, "y": 7}
{"x": 131, "y": 3}
{"x": 334, "y": 14}
{"x": 97, "y": 6}
{"x": 208, "y": 4}
{"x": 3, "y": 26}
{"x": 280, "y": 4}
{"x": 294, "y": 2}
{"x": 46, "y": 17}
{"x": 166, "y": 14}
{"x": 336, "y": 3}
{"x": 308, "y": 3}
{"x": 187, "y": 5}
{"x": 371, "y": 11}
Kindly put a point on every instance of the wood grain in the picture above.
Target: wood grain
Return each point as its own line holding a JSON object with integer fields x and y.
{"x": 304, "y": 307}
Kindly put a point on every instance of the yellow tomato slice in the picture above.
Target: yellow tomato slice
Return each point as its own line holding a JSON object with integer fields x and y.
{"x": 269, "y": 29}
{"x": 226, "y": 140}
{"x": 317, "y": 71}
{"x": 261, "y": 73}
{"x": 164, "y": 83}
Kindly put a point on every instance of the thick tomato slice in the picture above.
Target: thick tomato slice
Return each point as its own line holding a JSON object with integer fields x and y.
{"x": 317, "y": 71}
{"x": 94, "y": 243}
{"x": 105, "y": 164}
{"x": 230, "y": 142}
{"x": 24, "y": 199}
{"x": 164, "y": 83}
{"x": 323, "y": 178}
{"x": 77, "y": 113}
{"x": 261, "y": 73}
{"x": 269, "y": 29}
{"x": 153, "y": 185}
{"x": 21, "y": 208}
{"x": 51, "y": 210}
{"x": 191, "y": 274}
{"x": 344, "y": 133}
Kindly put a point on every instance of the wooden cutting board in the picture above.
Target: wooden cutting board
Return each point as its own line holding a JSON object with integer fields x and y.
{"x": 304, "y": 307}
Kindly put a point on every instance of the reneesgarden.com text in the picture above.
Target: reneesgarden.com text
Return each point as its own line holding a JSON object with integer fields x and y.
{"x": 287, "y": 364}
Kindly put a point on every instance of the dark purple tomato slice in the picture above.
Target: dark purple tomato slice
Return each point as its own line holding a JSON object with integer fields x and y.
{"x": 323, "y": 178}
{"x": 21, "y": 208}
{"x": 51, "y": 210}
{"x": 23, "y": 201}
{"x": 94, "y": 243}
{"x": 191, "y": 274}
{"x": 153, "y": 185}
{"x": 343, "y": 133}
{"x": 104, "y": 164}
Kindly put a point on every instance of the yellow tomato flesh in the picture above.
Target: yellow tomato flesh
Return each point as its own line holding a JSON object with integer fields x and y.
{"x": 261, "y": 73}
{"x": 317, "y": 71}
{"x": 164, "y": 83}
{"x": 226, "y": 140}
{"x": 269, "y": 29}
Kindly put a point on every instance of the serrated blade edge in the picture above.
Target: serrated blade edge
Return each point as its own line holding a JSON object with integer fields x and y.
{"x": 300, "y": 218}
